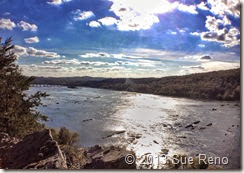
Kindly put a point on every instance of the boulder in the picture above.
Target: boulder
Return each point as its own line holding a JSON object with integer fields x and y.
{"x": 36, "y": 151}
{"x": 109, "y": 158}
{"x": 6, "y": 144}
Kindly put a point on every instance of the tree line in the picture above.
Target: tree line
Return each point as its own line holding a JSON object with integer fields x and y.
{"x": 216, "y": 85}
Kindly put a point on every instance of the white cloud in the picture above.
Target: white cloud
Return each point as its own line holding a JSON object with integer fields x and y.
{"x": 58, "y": 2}
{"x": 202, "y": 6}
{"x": 6, "y": 14}
{"x": 195, "y": 33}
{"x": 226, "y": 21}
{"x": 185, "y": 8}
{"x": 27, "y": 26}
{"x": 212, "y": 24}
{"x": 61, "y": 62}
{"x": 82, "y": 15}
{"x": 95, "y": 55}
{"x": 107, "y": 21}
{"x": 32, "y": 40}
{"x": 182, "y": 31}
{"x": 225, "y": 7}
{"x": 107, "y": 55}
{"x": 208, "y": 66}
{"x": 30, "y": 51}
{"x": 122, "y": 56}
{"x": 55, "y": 2}
{"x": 218, "y": 32}
{"x": 94, "y": 24}
{"x": 77, "y": 62}
{"x": 218, "y": 27}
{"x": 141, "y": 15}
{"x": 201, "y": 45}
{"x": 7, "y": 24}
{"x": 173, "y": 32}
{"x": 20, "y": 51}
{"x": 42, "y": 53}
{"x": 197, "y": 58}
{"x": 228, "y": 38}
{"x": 119, "y": 56}
{"x": 217, "y": 65}
{"x": 159, "y": 54}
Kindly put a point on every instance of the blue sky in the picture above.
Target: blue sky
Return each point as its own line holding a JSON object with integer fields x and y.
{"x": 122, "y": 38}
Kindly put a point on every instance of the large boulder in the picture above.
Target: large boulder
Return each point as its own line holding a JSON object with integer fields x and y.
{"x": 108, "y": 158}
{"x": 36, "y": 151}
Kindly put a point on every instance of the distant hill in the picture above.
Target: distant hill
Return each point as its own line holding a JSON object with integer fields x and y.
{"x": 220, "y": 85}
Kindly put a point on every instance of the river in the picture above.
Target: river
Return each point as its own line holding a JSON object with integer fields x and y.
{"x": 146, "y": 124}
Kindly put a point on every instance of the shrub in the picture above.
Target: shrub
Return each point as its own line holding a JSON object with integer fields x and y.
{"x": 219, "y": 97}
{"x": 204, "y": 96}
{"x": 64, "y": 136}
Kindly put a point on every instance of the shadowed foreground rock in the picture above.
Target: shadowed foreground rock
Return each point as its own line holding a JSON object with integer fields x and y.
{"x": 39, "y": 151}
{"x": 36, "y": 151}
{"x": 108, "y": 158}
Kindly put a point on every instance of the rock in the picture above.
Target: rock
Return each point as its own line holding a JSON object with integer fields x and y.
{"x": 6, "y": 143}
{"x": 190, "y": 125}
{"x": 164, "y": 151}
{"x": 210, "y": 124}
{"x": 36, "y": 151}
{"x": 222, "y": 105}
{"x": 155, "y": 142}
{"x": 196, "y": 122}
{"x": 109, "y": 158}
{"x": 233, "y": 126}
{"x": 87, "y": 120}
{"x": 214, "y": 109}
{"x": 94, "y": 149}
{"x": 177, "y": 124}
{"x": 165, "y": 125}
{"x": 138, "y": 136}
{"x": 116, "y": 133}
{"x": 202, "y": 128}
{"x": 182, "y": 137}
{"x": 39, "y": 151}
{"x": 193, "y": 127}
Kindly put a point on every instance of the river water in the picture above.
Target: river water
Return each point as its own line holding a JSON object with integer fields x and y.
{"x": 146, "y": 124}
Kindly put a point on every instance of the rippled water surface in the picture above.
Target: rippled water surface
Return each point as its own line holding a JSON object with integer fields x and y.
{"x": 147, "y": 124}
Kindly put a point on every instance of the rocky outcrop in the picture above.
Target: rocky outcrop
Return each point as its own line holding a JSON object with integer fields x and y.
{"x": 36, "y": 151}
{"x": 108, "y": 158}
{"x": 6, "y": 144}
{"x": 39, "y": 151}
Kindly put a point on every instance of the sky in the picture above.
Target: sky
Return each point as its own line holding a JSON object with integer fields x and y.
{"x": 122, "y": 38}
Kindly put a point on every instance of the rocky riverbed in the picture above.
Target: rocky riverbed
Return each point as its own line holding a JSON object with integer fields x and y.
{"x": 147, "y": 124}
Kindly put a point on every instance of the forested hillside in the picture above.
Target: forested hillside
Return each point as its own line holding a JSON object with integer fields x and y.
{"x": 220, "y": 85}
